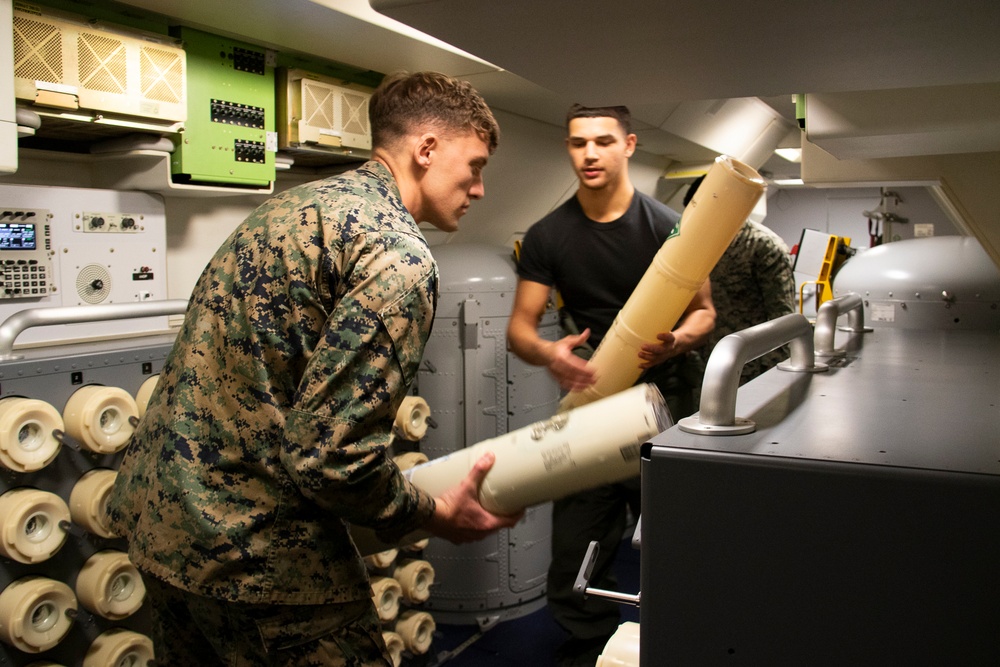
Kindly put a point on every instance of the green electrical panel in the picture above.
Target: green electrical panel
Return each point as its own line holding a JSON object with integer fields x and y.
{"x": 229, "y": 137}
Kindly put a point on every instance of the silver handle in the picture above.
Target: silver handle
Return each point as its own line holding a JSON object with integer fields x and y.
{"x": 20, "y": 321}
{"x": 850, "y": 304}
{"x": 717, "y": 411}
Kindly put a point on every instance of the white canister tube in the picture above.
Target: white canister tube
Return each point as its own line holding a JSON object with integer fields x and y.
{"x": 411, "y": 418}
{"x": 395, "y": 644}
{"x": 415, "y": 577}
{"x": 417, "y": 630}
{"x": 386, "y": 594}
{"x": 88, "y": 501}
{"x": 30, "y": 530}
{"x": 98, "y": 418}
{"x": 119, "y": 647}
{"x": 27, "y": 425}
{"x": 36, "y": 613}
{"x": 622, "y": 650}
{"x": 110, "y": 586}
{"x": 678, "y": 270}
{"x": 574, "y": 451}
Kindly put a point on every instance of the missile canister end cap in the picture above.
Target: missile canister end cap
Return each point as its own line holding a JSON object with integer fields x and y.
{"x": 660, "y": 410}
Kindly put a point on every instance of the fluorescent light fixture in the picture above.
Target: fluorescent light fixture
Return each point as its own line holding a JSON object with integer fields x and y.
{"x": 790, "y": 154}
{"x": 360, "y": 9}
{"x": 789, "y": 181}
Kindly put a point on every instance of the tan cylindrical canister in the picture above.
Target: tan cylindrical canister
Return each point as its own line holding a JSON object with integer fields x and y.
{"x": 622, "y": 650}
{"x": 678, "y": 270}
{"x": 119, "y": 647}
{"x": 395, "y": 644}
{"x": 417, "y": 630}
{"x": 415, "y": 578}
{"x": 574, "y": 451}
{"x": 110, "y": 586}
{"x": 98, "y": 418}
{"x": 27, "y": 425}
{"x": 386, "y": 594}
{"x": 36, "y": 613}
{"x": 30, "y": 530}
{"x": 145, "y": 393}
{"x": 411, "y": 418}
{"x": 588, "y": 447}
{"x": 88, "y": 501}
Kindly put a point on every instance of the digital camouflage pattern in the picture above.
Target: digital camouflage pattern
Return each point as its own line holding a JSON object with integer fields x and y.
{"x": 268, "y": 429}
{"x": 191, "y": 630}
{"x": 752, "y": 283}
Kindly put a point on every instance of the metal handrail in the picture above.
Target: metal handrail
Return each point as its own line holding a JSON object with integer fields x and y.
{"x": 20, "y": 321}
{"x": 717, "y": 410}
{"x": 850, "y": 304}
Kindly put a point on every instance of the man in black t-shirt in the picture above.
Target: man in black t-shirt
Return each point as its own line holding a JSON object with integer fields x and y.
{"x": 594, "y": 249}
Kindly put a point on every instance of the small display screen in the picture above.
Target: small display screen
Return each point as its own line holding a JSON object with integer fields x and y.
{"x": 17, "y": 236}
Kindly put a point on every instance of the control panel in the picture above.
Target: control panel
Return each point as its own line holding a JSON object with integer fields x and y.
{"x": 25, "y": 253}
{"x": 77, "y": 247}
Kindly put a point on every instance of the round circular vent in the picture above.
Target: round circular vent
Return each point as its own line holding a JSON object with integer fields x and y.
{"x": 93, "y": 283}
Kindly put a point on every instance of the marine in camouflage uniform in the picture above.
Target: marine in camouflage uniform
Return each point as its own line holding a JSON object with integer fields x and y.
{"x": 267, "y": 432}
{"x": 752, "y": 283}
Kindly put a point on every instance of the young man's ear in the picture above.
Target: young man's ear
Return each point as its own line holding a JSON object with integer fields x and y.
{"x": 424, "y": 149}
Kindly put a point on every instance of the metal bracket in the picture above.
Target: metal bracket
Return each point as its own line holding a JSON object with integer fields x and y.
{"x": 580, "y": 586}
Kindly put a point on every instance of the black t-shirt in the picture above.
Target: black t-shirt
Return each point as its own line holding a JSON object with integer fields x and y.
{"x": 595, "y": 265}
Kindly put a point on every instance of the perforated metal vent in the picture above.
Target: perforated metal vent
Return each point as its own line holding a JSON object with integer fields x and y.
{"x": 37, "y": 50}
{"x": 318, "y": 105}
{"x": 93, "y": 283}
{"x": 162, "y": 74}
{"x": 102, "y": 63}
{"x": 354, "y": 112}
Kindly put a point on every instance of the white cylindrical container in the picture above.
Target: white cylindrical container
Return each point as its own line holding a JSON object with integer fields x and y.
{"x": 415, "y": 577}
{"x": 98, "y": 417}
{"x": 678, "y": 270}
{"x": 88, "y": 501}
{"x": 411, "y": 418}
{"x": 145, "y": 391}
{"x": 29, "y": 524}
{"x": 118, "y": 647}
{"x": 590, "y": 446}
{"x": 381, "y": 559}
{"x": 395, "y": 644}
{"x": 622, "y": 650}
{"x": 417, "y": 630}
{"x": 27, "y": 442}
{"x": 110, "y": 586}
{"x": 36, "y": 613}
{"x": 408, "y": 460}
{"x": 386, "y": 594}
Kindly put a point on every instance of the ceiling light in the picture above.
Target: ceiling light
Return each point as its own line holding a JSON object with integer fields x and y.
{"x": 790, "y": 154}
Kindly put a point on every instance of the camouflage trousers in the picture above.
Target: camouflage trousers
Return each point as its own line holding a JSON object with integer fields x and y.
{"x": 192, "y": 630}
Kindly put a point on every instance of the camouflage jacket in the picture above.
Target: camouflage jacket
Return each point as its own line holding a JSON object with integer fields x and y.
{"x": 752, "y": 283}
{"x": 268, "y": 430}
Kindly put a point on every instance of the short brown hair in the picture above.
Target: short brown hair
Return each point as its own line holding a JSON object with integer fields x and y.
{"x": 619, "y": 113}
{"x": 404, "y": 101}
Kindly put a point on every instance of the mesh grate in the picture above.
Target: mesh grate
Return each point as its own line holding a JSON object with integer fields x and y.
{"x": 103, "y": 65}
{"x": 317, "y": 105}
{"x": 354, "y": 111}
{"x": 161, "y": 74}
{"x": 37, "y": 51}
